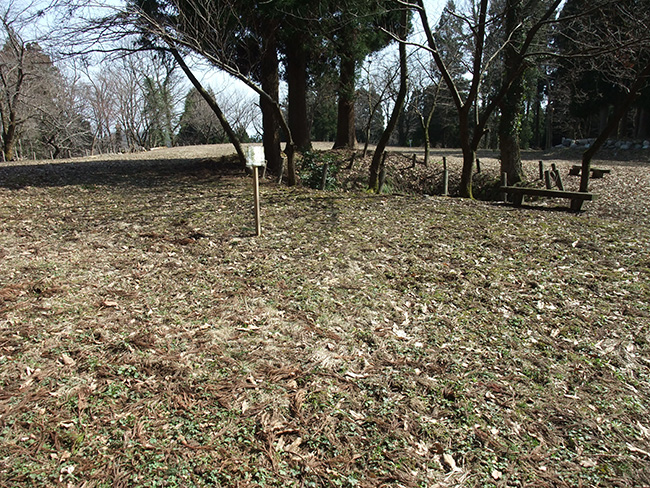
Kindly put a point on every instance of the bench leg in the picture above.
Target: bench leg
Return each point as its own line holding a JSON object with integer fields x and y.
{"x": 518, "y": 199}
{"x": 576, "y": 204}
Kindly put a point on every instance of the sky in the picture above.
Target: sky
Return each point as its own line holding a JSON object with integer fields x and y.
{"x": 218, "y": 81}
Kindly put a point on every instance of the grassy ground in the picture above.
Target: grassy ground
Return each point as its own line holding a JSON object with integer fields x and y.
{"x": 147, "y": 339}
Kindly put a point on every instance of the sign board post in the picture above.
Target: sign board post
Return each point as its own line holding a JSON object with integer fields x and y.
{"x": 255, "y": 160}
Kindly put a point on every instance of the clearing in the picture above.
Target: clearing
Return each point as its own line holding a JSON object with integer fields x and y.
{"x": 146, "y": 339}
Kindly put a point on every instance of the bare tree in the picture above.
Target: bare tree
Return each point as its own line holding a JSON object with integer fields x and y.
{"x": 63, "y": 125}
{"x": 131, "y": 124}
{"x": 124, "y": 31}
{"x": 212, "y": 103}
{"x": 101, "y": 107}
{"x": 23, "y": 67}
{"x": 200, "y": 125}
{"x": 378, "y": 78}
{"x": 472, "y": 121}
{"x": 424, "y": 99}
{"x": 375, "y": 165}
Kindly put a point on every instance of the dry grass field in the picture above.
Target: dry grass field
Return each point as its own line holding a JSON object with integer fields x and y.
{"x": 403, "y": 339}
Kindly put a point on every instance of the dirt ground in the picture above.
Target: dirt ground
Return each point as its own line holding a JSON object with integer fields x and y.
{"x": 147, "y": 338}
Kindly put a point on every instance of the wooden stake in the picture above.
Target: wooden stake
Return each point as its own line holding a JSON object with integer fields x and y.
{"x": 478, "y": 165}
{"x": 547, "y": 179}
{"x": 323, "y": 181}
{"x": 256, "y": 196}
{"x": 541, "y": 170}
{"x": 445, "y": 177}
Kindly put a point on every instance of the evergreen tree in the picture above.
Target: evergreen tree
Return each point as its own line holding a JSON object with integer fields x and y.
{"x": 360, "y": 27}
{"x": 198, "y": 123}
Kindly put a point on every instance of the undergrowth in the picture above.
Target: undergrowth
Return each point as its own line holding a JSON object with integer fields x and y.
{"x": 148, "y": 339}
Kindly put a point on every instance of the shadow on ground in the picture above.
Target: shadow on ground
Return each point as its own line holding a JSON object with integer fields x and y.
{"x": 140, "y": 173}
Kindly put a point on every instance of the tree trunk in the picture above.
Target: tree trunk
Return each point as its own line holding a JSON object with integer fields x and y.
{"x": 402, "y": 130}
{"x": 510, "y": 151}
{"x": 345, "y": 128}
{"x": 548, "y": 140}
{"x": 469, "y": 156}
{"x": 511, "y": 103}
{"x": 9, "y": 149}
{"x": 424, "y": 123}
{"x": 603, "y": 116}
{"x": 270, "y": 119}
{"x": 9, "y": 139}
{"x": 232, "y": 137}
{"x": 297, "y": 96}
{"x": 375, "y": 166}
{"x": 537, "y": 133}
{"x": 469, "y": 153}
{"x": 643, "y": 123}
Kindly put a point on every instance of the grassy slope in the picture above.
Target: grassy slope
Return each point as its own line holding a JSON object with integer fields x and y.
{"x": 147, "y": 340}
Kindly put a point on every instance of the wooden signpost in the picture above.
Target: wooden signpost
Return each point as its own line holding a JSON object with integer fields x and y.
{"x": 255, "y": 160}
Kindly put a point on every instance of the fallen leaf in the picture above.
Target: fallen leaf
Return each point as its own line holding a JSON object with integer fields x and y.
{"x": 645, "y": 432}
{"x": 67, "y": 360}
{"x": 422, "y": 449}
{"x": 588, "y": 463}
{"x": 357, "y": 416}
{"x": 636, "y": 449}
{"x": 399, "y": 333}
{"x": 449, "y": 462}
{"x": 351, "y": 374}
{"x": 293, "y": 447}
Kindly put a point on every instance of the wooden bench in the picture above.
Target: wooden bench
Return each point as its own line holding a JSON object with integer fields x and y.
{"x": 576, "y": 169}
{"x": 576, "y": 197}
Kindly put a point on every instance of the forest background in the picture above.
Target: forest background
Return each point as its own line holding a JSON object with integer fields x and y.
{"x": 84, "y": 79}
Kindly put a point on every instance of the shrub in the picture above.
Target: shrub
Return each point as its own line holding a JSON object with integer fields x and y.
{"x": 311, "y": 169}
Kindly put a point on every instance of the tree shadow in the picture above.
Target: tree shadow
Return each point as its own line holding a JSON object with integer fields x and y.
{"x": 143, "y": 173}
{"x": 543, "y": 207}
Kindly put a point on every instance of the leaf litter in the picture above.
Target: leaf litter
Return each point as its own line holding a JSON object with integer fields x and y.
{"x": 147, "y": 339}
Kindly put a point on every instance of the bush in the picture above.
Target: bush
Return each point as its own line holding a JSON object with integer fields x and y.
{"x": 311, "y": 169}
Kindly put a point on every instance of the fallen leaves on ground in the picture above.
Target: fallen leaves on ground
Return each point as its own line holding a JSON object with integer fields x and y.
{"x": 147, "y": 339}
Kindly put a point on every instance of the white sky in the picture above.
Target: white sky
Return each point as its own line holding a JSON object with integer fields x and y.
{"x": 218, "y": 81}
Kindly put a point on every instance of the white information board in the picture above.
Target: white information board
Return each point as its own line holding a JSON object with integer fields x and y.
{"x": 255, "y": 156}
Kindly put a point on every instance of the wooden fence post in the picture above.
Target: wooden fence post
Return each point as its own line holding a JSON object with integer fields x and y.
{"x": 445, "y": 177}
{"x": 547, "y": 179}
{"x": 323, "y": 181}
